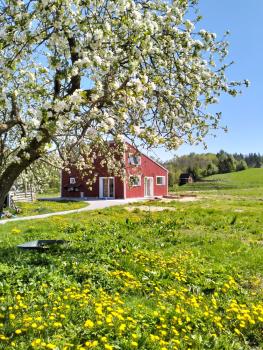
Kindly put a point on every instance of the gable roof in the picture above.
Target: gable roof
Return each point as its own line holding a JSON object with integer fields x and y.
{"x": 145, "y": 155}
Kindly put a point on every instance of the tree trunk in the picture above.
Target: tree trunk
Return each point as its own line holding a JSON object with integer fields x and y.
{"x": 8, "y": 178}
{"x": 13, "y": 170}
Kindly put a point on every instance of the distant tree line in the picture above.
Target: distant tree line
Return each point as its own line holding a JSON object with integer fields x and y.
{"x": 206, "y": 164}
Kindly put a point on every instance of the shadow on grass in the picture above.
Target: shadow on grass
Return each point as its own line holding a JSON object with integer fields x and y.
{"x": 56, "y": 266}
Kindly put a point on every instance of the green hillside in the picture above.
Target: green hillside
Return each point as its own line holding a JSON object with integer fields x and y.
{"x": 246, "y": 178}
{"x": 250, "y": 178}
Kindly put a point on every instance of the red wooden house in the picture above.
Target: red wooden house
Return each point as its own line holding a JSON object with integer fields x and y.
{"x": 144, "y": 178}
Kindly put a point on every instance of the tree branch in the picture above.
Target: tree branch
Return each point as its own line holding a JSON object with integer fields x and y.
{"x": 75, "y": 80}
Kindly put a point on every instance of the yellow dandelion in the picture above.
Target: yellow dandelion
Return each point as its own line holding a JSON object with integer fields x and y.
{"x": 108, "y": 347}
{"x": 122, "y": 327}
{"x": 57, "y": 324}
{"x": 91, "y": 343}
{"x": 89, "y": 324}
{"x": 15, "y": 231}
{"x": 134, "y": 344}
{"x": 3, "y": 337}
{"x": 36, "y": 342}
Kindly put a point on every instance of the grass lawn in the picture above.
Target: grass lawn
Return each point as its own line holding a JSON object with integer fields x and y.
{"x": 49, "y": 195}
{"x": 246, "y": 180}
{"x": 187, "y": 279}
{"x": 44, "y": 207}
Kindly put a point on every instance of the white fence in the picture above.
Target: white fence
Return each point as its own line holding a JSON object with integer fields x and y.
{"x": 21, "y": 197}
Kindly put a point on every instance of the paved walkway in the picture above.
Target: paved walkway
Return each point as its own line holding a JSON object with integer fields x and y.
{"x": 92, "y": 205}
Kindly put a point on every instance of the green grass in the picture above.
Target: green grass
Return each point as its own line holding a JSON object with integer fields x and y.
{"x": 49, "y": 195}
{"x": 250, "y": 179}
{"x": 44, "y": 207}
{"x": 187, "y": 279}
{"x": 246, "y": 178}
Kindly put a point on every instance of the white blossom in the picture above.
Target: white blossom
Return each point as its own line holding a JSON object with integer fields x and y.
{"x": 110, "y": 121}
{"x": 137, "y": 129}
{"x": 60, "y": 106}
{"x": 77, "y": 97}
{"x": 86, "y": 71}
{"x": 187, "y": 126}
{"x": 98, "y": 34}
{"x": 35, "y": 122}
{"x": 74, "y": 71}
{"x": 92, "y": 132}
{"x": 97, "y": 59}
{"x": 107, "y": 26}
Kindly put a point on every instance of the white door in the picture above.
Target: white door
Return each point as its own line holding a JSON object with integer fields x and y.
{"x": 148, "y": 187}
{"x": 106, "y": 187}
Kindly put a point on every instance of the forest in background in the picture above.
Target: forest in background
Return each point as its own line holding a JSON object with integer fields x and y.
{"x": 206, "y": 164}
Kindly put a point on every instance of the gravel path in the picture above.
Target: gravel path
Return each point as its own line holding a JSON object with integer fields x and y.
{"x": 92, "y": 205}
{"x": 149, "y": 208}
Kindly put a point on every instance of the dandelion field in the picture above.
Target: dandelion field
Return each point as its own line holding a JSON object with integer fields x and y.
{"x": 187, "y": 279}
{"x": 43, "y": 207}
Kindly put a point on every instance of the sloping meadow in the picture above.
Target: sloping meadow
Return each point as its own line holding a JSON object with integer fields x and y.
{"x": 187, "y": 279}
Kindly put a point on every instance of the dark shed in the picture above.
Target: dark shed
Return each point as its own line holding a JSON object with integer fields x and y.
{"x": 185, "y": 178}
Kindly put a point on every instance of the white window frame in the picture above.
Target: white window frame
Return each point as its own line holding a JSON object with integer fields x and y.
{"x": 163, "y": 182}
{"x": 72, "y": 180}
{"x": 131, "y": 159}
{"x": 140, "y": 180}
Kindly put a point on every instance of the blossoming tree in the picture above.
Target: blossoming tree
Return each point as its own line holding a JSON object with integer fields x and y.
{"x": 76, "y": 73}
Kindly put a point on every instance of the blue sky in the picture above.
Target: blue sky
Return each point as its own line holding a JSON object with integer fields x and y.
{"x": 242, "y": 114}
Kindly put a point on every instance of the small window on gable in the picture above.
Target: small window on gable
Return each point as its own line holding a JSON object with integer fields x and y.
{"x": 135, "y": 180}
{"x": 72, "y": 180}
{"x": 160, "y": 180}
{"x": 134, "y": 160}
